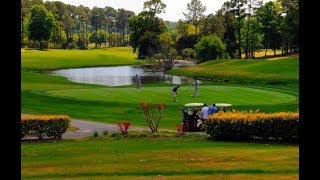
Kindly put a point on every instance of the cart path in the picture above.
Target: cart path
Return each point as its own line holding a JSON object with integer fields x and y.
{"x": 86, "y": 128}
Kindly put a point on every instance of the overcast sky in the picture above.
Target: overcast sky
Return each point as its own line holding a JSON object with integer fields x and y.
{"x": 174, "y": 8}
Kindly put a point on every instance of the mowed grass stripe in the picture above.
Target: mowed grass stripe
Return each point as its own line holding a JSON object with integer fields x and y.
{"x": 56, "y": 59}
{"x": 209, "y": 94}
{"x": 105, "y": 157}
{"x": 164, "y": 173}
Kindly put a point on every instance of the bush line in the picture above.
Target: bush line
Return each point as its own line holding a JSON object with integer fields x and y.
{"x": 234, "y": 125}
{"x": 41, "y": 126}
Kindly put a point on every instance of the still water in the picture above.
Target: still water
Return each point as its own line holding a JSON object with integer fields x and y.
{"x": 118, "y": 76}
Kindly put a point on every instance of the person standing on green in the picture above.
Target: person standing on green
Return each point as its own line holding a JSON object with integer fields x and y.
{"x": 196, "y": 85}
{"x": 138, "y": 82}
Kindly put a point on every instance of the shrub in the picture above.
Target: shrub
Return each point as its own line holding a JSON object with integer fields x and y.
{"x": 245, "y": 126}
{"x": 72, "y": 45}
{"x": 95, "y": 134}
{"x": 148, "y": 110}
{"x": 181, "y": 129}
{"x": 105, "y": 133}
{"x": 178, "y": 58}
{"x": 210, "y": 48}
{"x": 123, "y": 126}
{"x": 189, "y": 54}
{"x": 41, "y": 126}
{"x": 116, "y": 135}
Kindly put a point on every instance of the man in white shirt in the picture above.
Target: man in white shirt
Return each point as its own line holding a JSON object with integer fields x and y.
{"x": 204, "y": 112}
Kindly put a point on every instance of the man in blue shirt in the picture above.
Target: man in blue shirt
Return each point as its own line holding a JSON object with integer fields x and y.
{"x": 213, "y": 109}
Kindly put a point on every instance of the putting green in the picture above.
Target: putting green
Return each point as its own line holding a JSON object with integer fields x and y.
{"x": 208, "y": 94}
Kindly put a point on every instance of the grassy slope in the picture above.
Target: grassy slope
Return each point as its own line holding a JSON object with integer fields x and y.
{"x": 149, "y": 157}
{"x": 284, "y": 71}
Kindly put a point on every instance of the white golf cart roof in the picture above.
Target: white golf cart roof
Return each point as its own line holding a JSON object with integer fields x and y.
{"x": 223, "y": 105}
{"x": 193, "y": 104}
{"x": 201, "y": 104}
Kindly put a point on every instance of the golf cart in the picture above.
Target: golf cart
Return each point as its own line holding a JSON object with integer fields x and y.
{"x": 224, "y": 107}
{"x": 191, "y": 115}
{"x": 192, "y": 120}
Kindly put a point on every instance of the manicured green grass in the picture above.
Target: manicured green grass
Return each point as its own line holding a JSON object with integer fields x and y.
{"x": 46, "y": 94}
{"x": 283, "y": 71}
{"x": 55, "y": 59}
{"x": 148, "y": 158}
{"x": 112, "y": 105}
{"x": 145, "y": 158}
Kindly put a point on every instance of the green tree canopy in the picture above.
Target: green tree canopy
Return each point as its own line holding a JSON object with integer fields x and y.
{"x": 210, "y": 48}
{"x": 268, "y": 16}
{"x": 144, "y": 31}
{"x": 195, "y": 12}
{"x": 154, "y": 6}
{"x": 41, "y": 24}
{"x": 213, "y": 24}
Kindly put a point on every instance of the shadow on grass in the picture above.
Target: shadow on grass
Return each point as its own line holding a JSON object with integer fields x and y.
{"x": 167, "y": 173}
{"x": 44, "y": 140}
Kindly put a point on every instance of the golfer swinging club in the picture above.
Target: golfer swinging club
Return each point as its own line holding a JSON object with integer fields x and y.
{"x": 196, "y": 85}
{"x": 174, "y": 92}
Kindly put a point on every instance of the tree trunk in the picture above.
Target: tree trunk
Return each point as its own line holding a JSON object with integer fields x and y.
{"x": 86, "y": 40}
{"x": 59, "y": 40}
{"x": 96, "y": 28}
{"x": 247, "y": 40}
{"x": 265, "y": 54}
{"x": 127, "y": 36}
{"x": 123, "y": 35}
{"x": 109, "y": 35}
{"x": 22, "y": 34}
{"x": 196, "y": 25}
{"x": 100, "y": 36}
{"x": 239, "y": 39}
{"x": 105, "y": 43}
{"x": 67, "y": 42}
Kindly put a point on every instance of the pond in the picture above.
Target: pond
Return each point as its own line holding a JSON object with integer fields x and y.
{"x": 118, "y": 76}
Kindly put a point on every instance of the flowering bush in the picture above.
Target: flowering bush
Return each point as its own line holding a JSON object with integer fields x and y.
{"x": 243, "y": 126}
{"x": 124, "y": 126}
{"x": 148, "y": 111}
{"x": 41, "y": 126}
{"x": 181, "y": 129}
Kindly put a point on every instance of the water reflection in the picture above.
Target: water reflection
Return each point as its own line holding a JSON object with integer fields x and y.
{"x": 118, "y": 76}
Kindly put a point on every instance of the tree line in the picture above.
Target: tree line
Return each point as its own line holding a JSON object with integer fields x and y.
{"x": 53, "y": 24}
{"x": 238, "y": 29}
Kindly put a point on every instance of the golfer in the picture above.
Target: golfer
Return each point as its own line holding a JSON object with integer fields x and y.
{"x": 138, "y": 82}
{"x": 174, "y": 92}
{"x": 196, "y": 85}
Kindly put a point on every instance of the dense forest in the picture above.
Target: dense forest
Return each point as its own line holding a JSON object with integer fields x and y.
{"x": 238, "y": 27}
